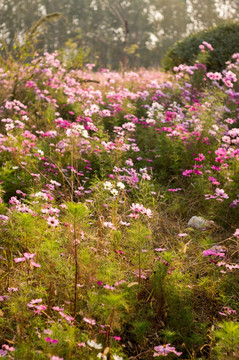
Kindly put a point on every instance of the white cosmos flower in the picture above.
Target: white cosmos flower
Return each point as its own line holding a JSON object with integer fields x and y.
{"x": 120, "y": 185}
{"x": 102, "y": 356}
{"x": 40, "y": 152}
{"x": 93, "y": 344}
{"x": 114, "y": 192}
{"x": 107, "y": 185}
{"x": 116, "y": 357}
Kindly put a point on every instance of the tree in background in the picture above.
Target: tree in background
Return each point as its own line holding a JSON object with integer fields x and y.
{"x": 115, "y": 33}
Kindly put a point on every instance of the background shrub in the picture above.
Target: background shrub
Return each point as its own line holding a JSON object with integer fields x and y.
{"x": 225, "y": 41}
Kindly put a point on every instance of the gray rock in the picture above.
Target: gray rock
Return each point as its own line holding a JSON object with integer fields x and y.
{"x": 199, "y": 223}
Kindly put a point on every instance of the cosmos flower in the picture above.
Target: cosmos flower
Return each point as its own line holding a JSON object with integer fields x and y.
{"x": 236, "y": 233}
{"x": 109, "y": 225}
{"x": 89, "y": 321}
{"x": 28, "y": 256}
{"x": 94, "y": 345}
{"x": 52, "y": 221}
{"x": 165, "y": 350}
{"x": 51, "y": 341}
{"x": 117, "y": 357}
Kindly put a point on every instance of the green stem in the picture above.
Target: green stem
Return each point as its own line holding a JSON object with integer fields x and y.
{"x": 76, "y": 267}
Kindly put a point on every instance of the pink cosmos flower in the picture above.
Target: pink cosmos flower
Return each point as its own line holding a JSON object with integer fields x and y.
{"x": 109, "y": 287}
{"x": 134, "y": 216}
{"x": 90, "y": 66}
{"x": 33, "y": 263}
{"x": 12, "y": 289}
{"x": 53, "y": 182}
{"x": 215, "y": 168}
{"x": 109, "y": 225}
{"x": 8, "y": 348}
{"x": 17, "y": 260}
{"x": 89, "y": 321}
{"x": 129, "y": 162}
{"x": 68, "y": 318}
{"x": 227, "y": 311}
{"x": 139, "y": 209}
{"x": 57, "y": 308}
{"x": 3, "y": 353}
{"x": 216, "y": 251}
{"x": 119, "y": 282}
{"x": 230, "y": 121}
{"x": 187, "y": 173}
{"x": 27, "y": 256}
{"x": 214, "y": 76}
{"x": 36, "y": 308}
{"x": 4, "y": 217}
{"x": 53, "y": 221}
{"x": 36, "y": 301}
{"x": 39, "y": 308}
{"x": 82, "y": 344}
{"x": 14, "y": 201}
{"x": 117, "y": 338}
{"x": 213, "y": 180}
{"x": 236, "y": 233}
{"x": 221, "y": 193}
{"x": 165, "y": 350}
{"x": 209, "y": 46}
{"x": 106, "y": 113}
{"x": 200, "y": 157}
{"x": 120, "y": 252}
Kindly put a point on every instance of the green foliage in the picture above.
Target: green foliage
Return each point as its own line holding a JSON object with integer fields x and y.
{"x": 13, "y": 179}
{"x": 73, "y": 56}
{"x": 141, "y": 328}
{"x": 223, "y": 38}
{"x": 227, "y": 340}
{"x": 77, "y": 211}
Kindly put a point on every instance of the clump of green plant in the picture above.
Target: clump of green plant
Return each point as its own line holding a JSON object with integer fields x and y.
{"x": 223, "y": 38}
{"x": 227, "y": 340}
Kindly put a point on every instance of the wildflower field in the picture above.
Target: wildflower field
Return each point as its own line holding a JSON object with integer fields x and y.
{"x": 100, "y": 174}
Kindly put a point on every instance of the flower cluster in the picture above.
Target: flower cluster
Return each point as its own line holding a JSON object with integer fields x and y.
{"x": 205, "y": 45}
{"x": 139, "y": 209}
{"x": 100, "y": 174}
